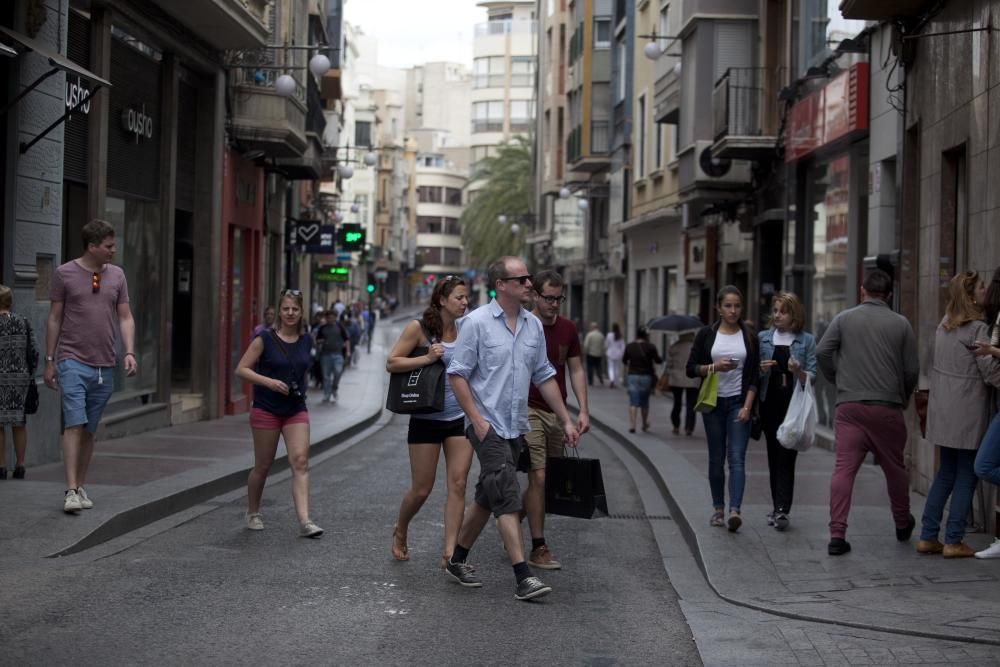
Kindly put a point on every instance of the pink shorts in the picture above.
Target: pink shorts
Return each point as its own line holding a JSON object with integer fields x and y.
{"x": 272, "y": 422}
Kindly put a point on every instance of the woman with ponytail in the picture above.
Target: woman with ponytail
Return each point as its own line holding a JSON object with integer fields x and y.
{"x": 429, "y": 433}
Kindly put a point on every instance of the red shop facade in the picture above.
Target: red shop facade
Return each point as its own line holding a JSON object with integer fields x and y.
{"x": 241, "y": 238}
{"x": 826, "y": 236}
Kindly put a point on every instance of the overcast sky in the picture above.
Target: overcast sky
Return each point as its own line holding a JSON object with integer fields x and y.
{"x": 413, "y": 32}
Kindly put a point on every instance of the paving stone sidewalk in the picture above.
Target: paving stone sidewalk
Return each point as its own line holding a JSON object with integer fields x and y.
{"x": 881, "y": 585}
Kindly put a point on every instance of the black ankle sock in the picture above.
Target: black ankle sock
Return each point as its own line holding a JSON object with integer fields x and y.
{"x": 460, "y": 554}
{"x": 521, "y": 571}
{"x": 537, "y": 542}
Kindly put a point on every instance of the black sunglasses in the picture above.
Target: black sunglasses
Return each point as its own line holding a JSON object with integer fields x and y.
{"x": 520, "y": 279}
{"x": 291, "y": 292}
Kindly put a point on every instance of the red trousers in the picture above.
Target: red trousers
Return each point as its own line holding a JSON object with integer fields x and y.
{"x": 859, "y": 429}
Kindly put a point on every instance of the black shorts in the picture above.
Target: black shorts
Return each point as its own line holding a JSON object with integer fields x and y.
{"x": 434, "y": 431}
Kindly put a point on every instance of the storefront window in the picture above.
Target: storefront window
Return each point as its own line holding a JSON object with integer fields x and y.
{"x": 829, "y": 209}
{"x": 137, "y": 236}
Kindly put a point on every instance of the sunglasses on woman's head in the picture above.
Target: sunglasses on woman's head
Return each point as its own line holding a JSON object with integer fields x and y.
{"x": 291, "y": 292}
{"x": 95, "y": 282}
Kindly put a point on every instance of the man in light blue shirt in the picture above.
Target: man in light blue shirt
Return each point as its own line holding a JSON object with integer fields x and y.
{"x": 499, "y": 354}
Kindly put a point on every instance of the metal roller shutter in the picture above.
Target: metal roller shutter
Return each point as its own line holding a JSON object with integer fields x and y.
{"x": 75, "y": 138}
{"x": 187, "y": 115}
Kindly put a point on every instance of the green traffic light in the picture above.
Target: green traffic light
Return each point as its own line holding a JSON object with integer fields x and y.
{"x": 371, "y": 288}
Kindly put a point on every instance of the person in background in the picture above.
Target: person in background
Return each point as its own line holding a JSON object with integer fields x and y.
{"x": 353, "y": 327}
{"x": 429, "y": 434}
{"x": 870, "y": 354}
{"x": 18, "y": 359}
{"x": 640, "y": 359}
{"x": 614, "y": 350}
{"x": 729, "y": 349}
{"x": 987, "y": 464}
{"x": 957, "y": 414}
{"x": 684, "y": 389}
{"x": 787, "y": 356}
{"x": 276, "y": 363}
{"x": 332, "y": 345}
{"x": 267, "y": 323}
{"x": 593, "y": 348}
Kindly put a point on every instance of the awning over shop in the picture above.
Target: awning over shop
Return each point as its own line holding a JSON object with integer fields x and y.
{"x": 18, "y": 44}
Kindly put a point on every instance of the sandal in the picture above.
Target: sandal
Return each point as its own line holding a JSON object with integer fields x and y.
{"x": 399, "y": 549}
{"x": 717, "y": 520}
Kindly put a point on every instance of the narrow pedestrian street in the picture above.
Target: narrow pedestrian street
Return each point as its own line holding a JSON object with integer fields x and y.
{"x": 211, "y": 592}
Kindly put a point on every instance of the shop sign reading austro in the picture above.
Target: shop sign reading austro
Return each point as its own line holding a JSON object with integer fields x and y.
{"x": 137, "y": 122}
{"x": 76, "y": 92}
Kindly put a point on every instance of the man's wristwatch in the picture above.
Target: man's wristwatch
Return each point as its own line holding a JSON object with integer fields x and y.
{"x": 131, "y": 354}
{"x": 49, "y": 357}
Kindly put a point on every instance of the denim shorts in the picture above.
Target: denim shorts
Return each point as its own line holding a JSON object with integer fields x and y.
{"x": 85, "y": 392}
{"x": 639, "y": 389}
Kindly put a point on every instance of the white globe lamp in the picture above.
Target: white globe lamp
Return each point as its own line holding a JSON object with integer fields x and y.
{"x": 583, "y": 204}
{"x": 355, "y": 208}
{"x": 502, "y": 219}
{"x": 319, "y": 65}
{"x": 285, "y": 85}
{"x": 346, "y": 171}
{"x": 515, "y": 228}
{"x": 652, "y": 51}
{"x": 564, "y": 193}
{"x": 370, "y": 159}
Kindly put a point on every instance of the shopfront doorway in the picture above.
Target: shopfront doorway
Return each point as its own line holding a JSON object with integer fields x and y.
{"x": 181, "y": 336}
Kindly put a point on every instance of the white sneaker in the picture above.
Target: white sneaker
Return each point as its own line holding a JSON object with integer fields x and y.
{"x": 310, "y": 529}
{"x": 85, "y": 501}
{"x": 71, "y": 504}
{"x": 255, "y": 521}
{"x": 992, "y": 551}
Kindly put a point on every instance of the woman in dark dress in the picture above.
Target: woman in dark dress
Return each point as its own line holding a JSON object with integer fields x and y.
{"x": 18, "y": 359}
{"x": 787, "y": 356}
{"x": 640, "y": 360}
{"x": 276, "y": 363}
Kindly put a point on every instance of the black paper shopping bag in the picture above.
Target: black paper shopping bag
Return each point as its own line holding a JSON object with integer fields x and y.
{"x": 574, "y": 486}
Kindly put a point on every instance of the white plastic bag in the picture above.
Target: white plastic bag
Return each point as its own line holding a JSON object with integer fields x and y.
{"x": 798, "y": 431}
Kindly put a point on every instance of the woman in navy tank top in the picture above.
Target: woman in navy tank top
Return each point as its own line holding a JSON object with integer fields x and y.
{"x": 276, "y": 364}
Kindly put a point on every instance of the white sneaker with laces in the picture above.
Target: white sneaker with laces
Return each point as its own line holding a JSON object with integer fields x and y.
{"x": 310, "y": 529}
{"x": 992, "y": 551}
{"x": 71, "y": 503}
{"x": 85, "y": 501}
{"x": 255, "y": 521}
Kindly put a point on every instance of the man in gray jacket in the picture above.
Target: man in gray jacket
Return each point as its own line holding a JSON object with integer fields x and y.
{"x": 870, "y": 354}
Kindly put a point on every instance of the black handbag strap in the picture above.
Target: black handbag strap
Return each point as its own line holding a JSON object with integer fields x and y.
{"x": 281, "y": 344}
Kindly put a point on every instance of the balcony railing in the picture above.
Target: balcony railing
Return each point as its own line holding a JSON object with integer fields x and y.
{"x": 744, "y": 102}
{"x": 505, "y": 27}
{"x": 600, "y": 137}
{"x": 264, "y": 79}
{"x": 487, "y": 125}
{"x": 488, "y": 81}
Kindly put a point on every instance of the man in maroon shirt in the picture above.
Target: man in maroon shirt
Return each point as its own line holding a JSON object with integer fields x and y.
{"x": 562, "y": 344}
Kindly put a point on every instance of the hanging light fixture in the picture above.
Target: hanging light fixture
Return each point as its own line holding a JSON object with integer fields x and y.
{"x": 564, "y": 193}
{"x": 284, "y": 85}
{"x": 370, "y": 158}
{"x": 583, "y": 204}
{"x": 355, "y": 208}
{"x": 652, "y": 51}
{"x": 502, "y": 219}
{"x": 515, "y": 228}
{"x": 319, "y": 65}
{"x": 346, "y": 171}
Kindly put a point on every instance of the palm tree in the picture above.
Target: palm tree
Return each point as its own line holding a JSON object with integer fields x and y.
{"x": 502, "y": 185}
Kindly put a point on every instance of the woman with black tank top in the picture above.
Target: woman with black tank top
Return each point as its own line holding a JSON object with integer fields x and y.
{"x": 430, "y": 433}
{"x": 276, "y": 363}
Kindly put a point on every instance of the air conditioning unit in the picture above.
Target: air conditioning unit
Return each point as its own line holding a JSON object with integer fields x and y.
{"x": 711, "y": 169}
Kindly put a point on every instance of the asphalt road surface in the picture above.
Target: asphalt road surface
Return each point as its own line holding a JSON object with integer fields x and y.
{"x": 209, "y": 591}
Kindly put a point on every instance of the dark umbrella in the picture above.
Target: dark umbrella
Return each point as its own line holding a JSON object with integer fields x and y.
{"x": 675, "y": 323}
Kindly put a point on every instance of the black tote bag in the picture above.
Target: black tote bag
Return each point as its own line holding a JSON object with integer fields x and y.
{"x": 574, "y": 486}
{"x": 417, "y": 392}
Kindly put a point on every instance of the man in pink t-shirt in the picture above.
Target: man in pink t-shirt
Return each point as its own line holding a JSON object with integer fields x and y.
{"x": 88, "y": 295}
